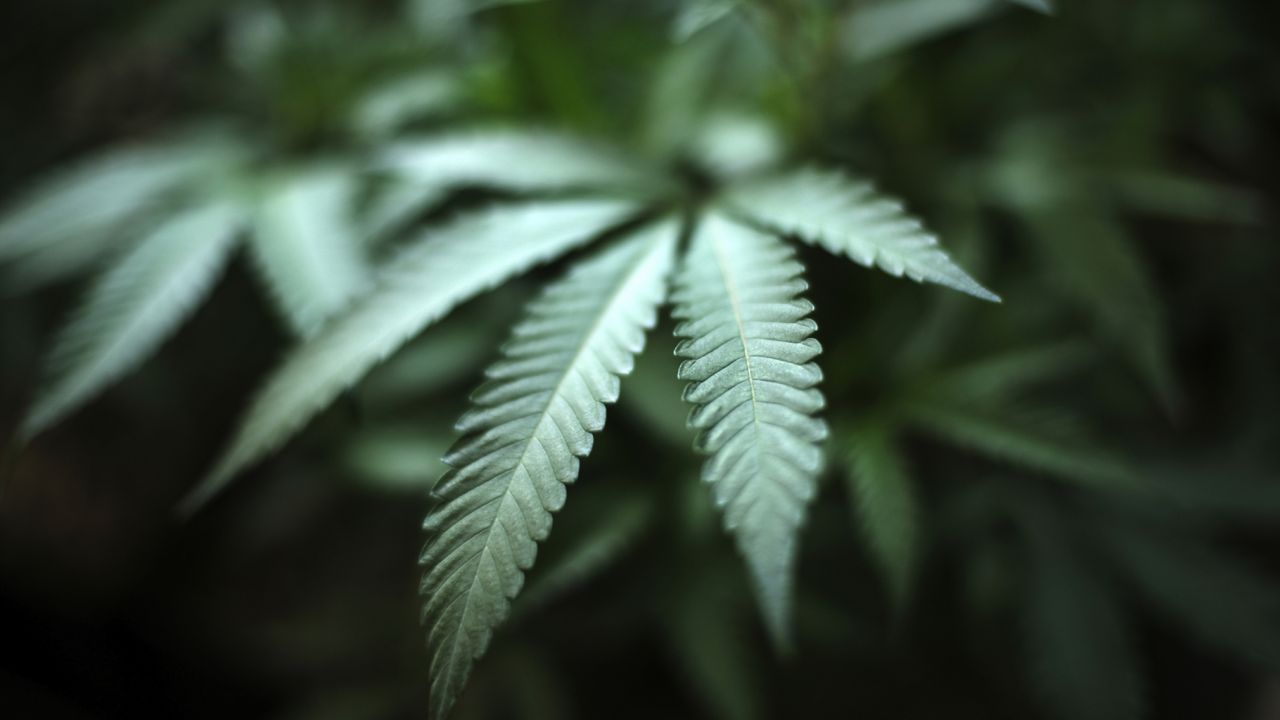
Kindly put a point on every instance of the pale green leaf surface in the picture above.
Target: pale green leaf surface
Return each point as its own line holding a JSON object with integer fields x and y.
{"x": 395, "y": 207}
{"x": 400, "y": 458}
{"x": 447, "y": 267}
{"x": 518, "y": 160}
{"x": 882, "y": 27}
{"x": 748, "y": 358}
{"x": 133, "y": 307}
{"x": 80, "y": 215}
{"x": 308, "y": 249}
{"x": 522, "y": 440}
{"x": 396, "y": 103}
{"x": 92, "y": 197}
{"x": 696, "y": 15}
{"x": 879, "y": 28}
{"x": 849, "y": 218}
{"x": 732, "y": 143}
{"x": 884, "y": 501}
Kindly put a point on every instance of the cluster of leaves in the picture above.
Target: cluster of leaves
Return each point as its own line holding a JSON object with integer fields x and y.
{"x": 701, "y": 221}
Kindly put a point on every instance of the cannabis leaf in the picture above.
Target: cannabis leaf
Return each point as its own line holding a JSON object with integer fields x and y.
{"x": 879, "y": 28}
{"x": 849, "y": 218}
{"x": 306, "y": 246}
{"x": 1226, "y": 604}
{"x": 531, "y": 422}
{"x": 134, "y": 307}
{"x": 1039, "y": 439}
{"x": 748, "y": 357}
{"x": 884, "y": 499}
{"x": 81, "y": 215}
{"x": 447, "y": 267}
{"x": 517, "y": 160}
{"x": 424, "y": 170}
{"x": 697, "y": 15}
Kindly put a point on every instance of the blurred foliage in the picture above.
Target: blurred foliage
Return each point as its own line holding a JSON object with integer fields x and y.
{"x": 1061, "y": 507}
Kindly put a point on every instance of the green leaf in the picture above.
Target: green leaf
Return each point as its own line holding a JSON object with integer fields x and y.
{"x": 447, "y": 267}
{"x": 696, "y": 15}
{"x": 879, "y": 28}
{"x": 400, "y": 101}
{"x": 394, "y": 207}
{"x": 1044, "y": 6}
{"x": 1079, "y": 644}
{"x": 308, "y": 249}
{"x": 133, "y": 308}
{"x": 517, "y": 160}
{"x": 1224, "y": 603}
{"x": 521, "y": 442}
{"x": 732, "y": 143}
{"x": 79, "y": 215}
{"x": 748, "y": 360}
{"x": 884, "y": 500}
{"x": 708, "y": 629}
{"x": 1095, "y": 263}
{"x": 1041, "y": 440}
{"x": 1001, "y": 377}
{"x": 619, "y": 520}
{"x": 849, "y": 218}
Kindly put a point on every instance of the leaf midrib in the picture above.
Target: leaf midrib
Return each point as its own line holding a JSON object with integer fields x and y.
{"x": 544, "y": 415}
{"x": 732, "y": 290}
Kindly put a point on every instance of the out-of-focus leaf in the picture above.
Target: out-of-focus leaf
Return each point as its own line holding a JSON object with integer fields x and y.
{"x": 734, "y": 143}
{"x": 307, "y": 247}
{"x": 80, "y": 215}
{"x": 1042, "y": 440}
{"x": 443, "y": 20}
{"x": 134, "y": 307}
{"x": 653, "y": 394}
{"x": 394, "y": 207}
{"x": 403, "y": 457}
{"x": 696, "y": 15}
{"x": 1093, "y": 261}
{"x": 449, "y": 266}
{"x": 1226, "y": 604}
{"x": 884, "y": 501}
{"x": 884, "y": 26}
{"x": 708, "y": 629}
{"x": 451, "y": 352}
{"x": 1183, "y": 197}
{"x": 255, "y": 36}
{"x": 618, "y": 521}
{"x": 683, "y": 86}
{"x": 1082, "y": 657}
{"x": 1044, "y": 6}
{"x": 519, "y": 160}
{"x": 399, "y": 102}
{"x": 1003, "y": 376}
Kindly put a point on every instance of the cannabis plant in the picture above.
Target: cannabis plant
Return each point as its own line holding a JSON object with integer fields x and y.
{"x": 370, "y": 221}
{"x": 748, "y": 348}
{"x": 166, "y": 215}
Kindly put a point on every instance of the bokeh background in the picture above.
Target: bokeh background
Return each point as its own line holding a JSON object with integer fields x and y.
{"x": 1080, "y": 518}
